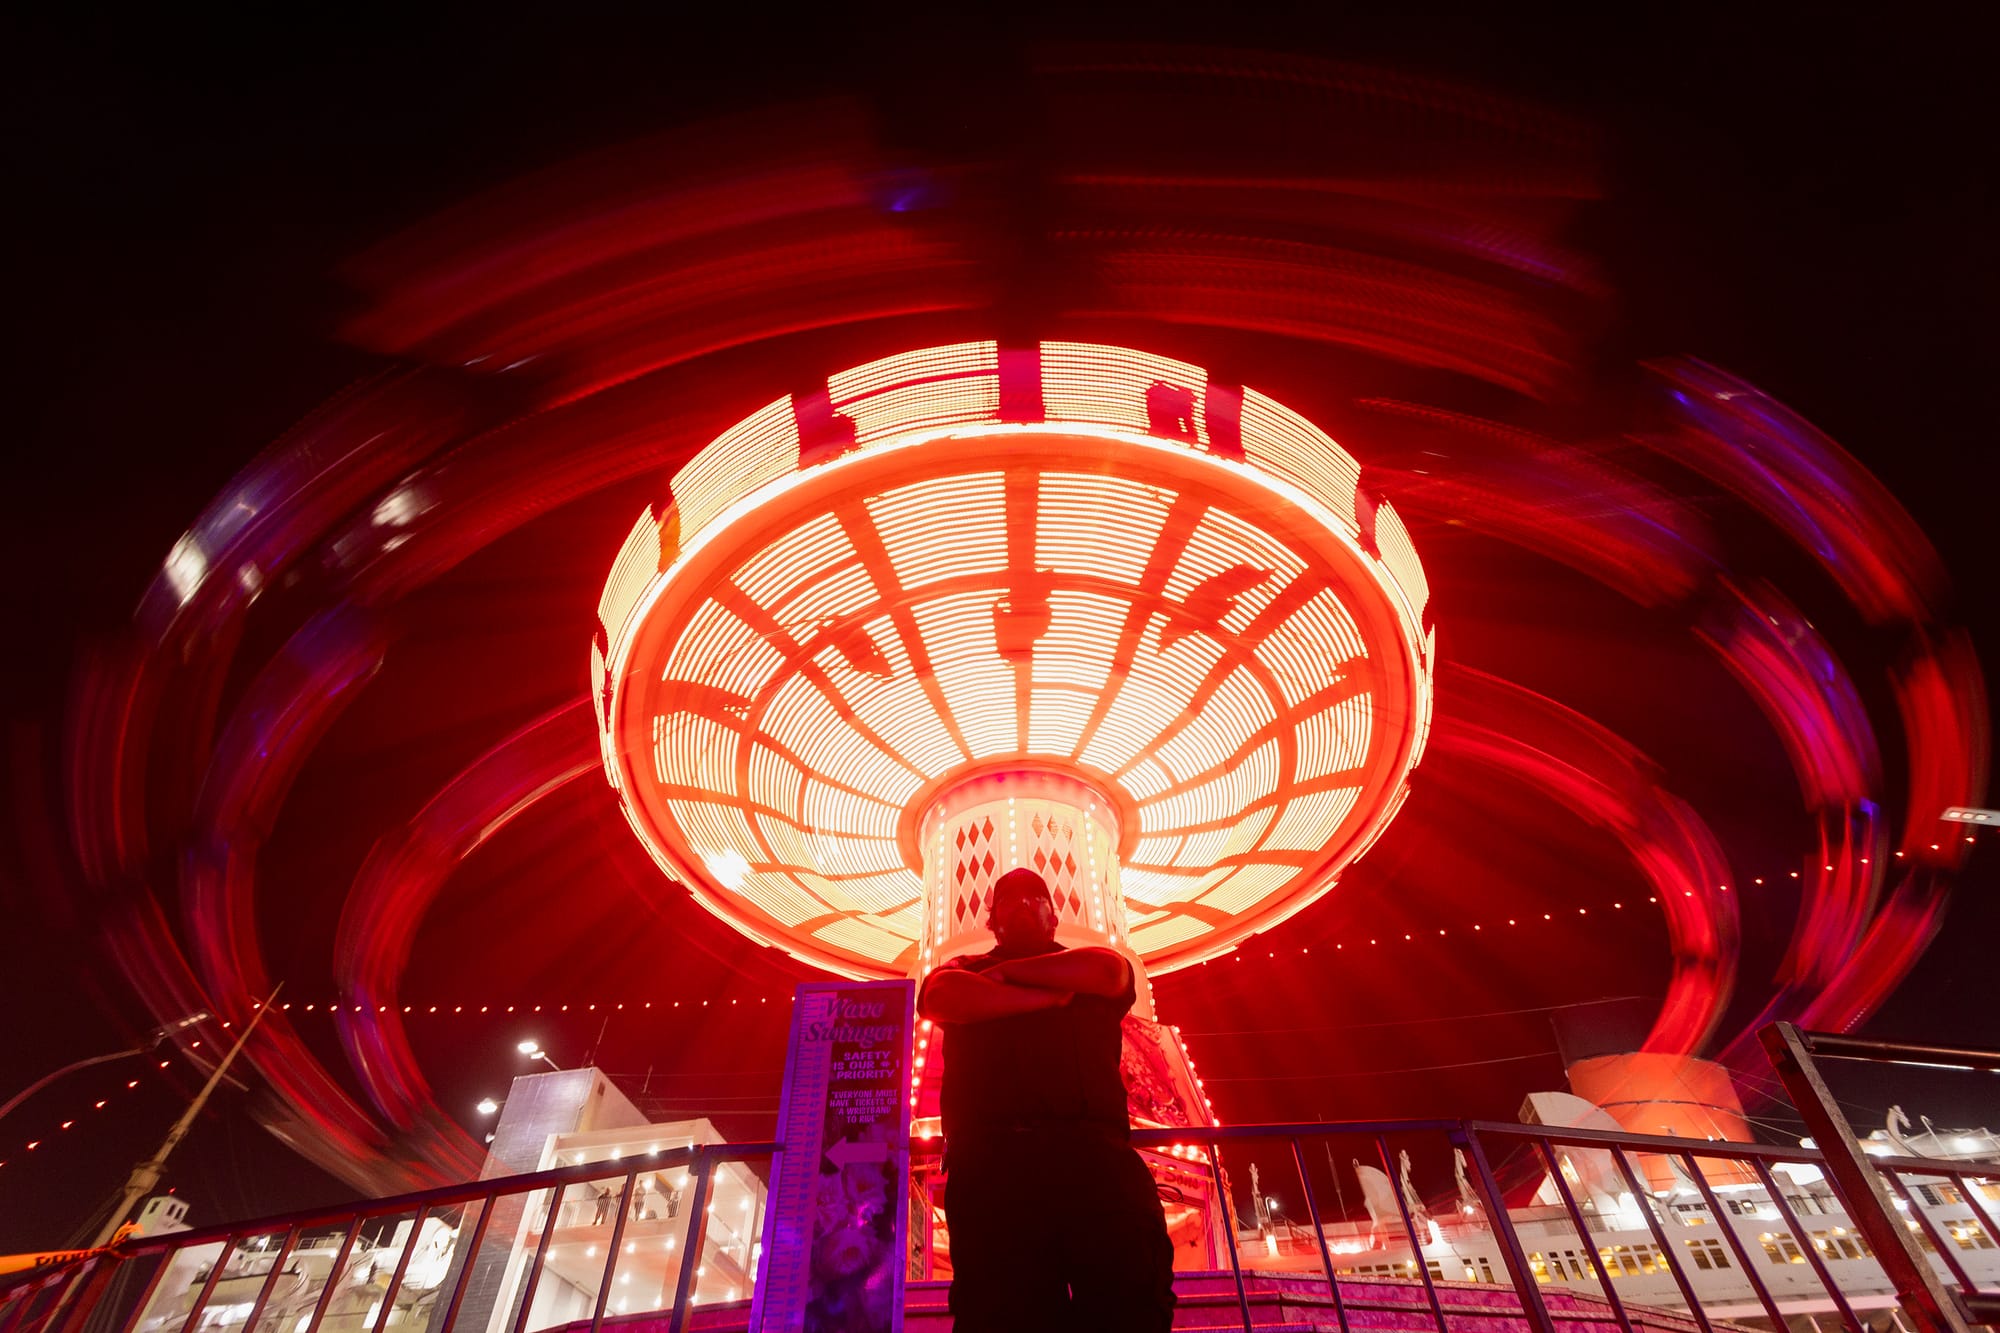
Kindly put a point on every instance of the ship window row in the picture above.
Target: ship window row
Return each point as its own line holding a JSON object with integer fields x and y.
{"x": 1840, "y": 1243}
{"x": 1708, "y": 1254}
{"x": 1970, "y": 1236}
{"x": 1550, "y": 1269}
{"x": 1965, "y": 1233}
{"x": 1638, "y": 1260}
{"x": 1943, "y": 1194}
{"x": 1782, "y": 1249}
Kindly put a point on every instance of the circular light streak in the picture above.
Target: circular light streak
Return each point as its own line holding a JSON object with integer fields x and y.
{"x": 1166, "y": 587}
{"x": 581, "y": 335}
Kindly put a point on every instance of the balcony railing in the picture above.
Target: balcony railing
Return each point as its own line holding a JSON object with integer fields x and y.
{"x": 606, "y": 1242}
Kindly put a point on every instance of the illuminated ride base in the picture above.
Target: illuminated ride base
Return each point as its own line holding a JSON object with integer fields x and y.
{"x": 1071, "y": 607}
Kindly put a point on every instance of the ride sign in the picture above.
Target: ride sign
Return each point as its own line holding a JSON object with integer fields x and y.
{"x": 833, "y": 1258}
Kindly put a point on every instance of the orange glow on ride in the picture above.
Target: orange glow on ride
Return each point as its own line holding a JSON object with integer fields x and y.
{"x": 1079, "y": 561}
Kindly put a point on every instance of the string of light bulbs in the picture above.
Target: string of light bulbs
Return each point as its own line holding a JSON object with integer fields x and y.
{"x": 73, "y": 1120}
{"x": 1414, "y": 936}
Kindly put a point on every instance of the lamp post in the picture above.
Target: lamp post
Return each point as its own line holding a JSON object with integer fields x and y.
{"x": 158, "y": 1035}
{"x": 533, "y": 1050}
{"x": 147, "y": 1174}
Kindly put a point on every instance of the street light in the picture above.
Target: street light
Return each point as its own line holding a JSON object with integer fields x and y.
{"x": 153, "y": 1039}
{"x": 533, "y": 1050}
{"x": 487, "y": 1106}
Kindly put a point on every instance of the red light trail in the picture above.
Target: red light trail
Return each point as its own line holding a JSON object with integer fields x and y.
{"x": 574, "y": 343}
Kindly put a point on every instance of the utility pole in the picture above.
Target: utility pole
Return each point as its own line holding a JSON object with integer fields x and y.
{"x": 147, "y": 1174}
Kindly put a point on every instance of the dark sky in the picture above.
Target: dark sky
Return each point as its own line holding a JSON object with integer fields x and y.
{"x": 1804, "y": 198}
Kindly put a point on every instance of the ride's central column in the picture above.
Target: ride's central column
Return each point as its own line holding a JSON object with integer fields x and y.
{"x": 1053, "y": 824}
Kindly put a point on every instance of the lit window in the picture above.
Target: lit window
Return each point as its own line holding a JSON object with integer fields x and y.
{"x": 1708, "y": 1254}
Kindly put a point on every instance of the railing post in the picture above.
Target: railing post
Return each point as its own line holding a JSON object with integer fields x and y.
{"x": 1930, "y": 1226}
{"x": 611, "y": 1259}
{"x": 1495, "y": 1204}
{"x": 11, "y": 1305}
{"x": 208, "y": 1287}
{"x": 59, "y": 1311}
{"x": 1963, "y": 1181}
{"x": 395, "y": 1278}
{"x": 78, "y": 1296}
{"x": 333, "y": 1275}
{"x": 1319, "y": 1234}
{"x": 146, "y": 1296}
{"x": 1229, "y": 1228}
{"x": 23, "y": 1300}
{"x": 534, "y": 1277}
{"x": 1804, "y": 1237}
{"x": 270, "y": 1281}
{"x": 1410, "y": 1230}
{"x": 1922, "y": 1295}
{"x": 1644, "y": 1199}
{"x": 1583, "y": 1233}
{"x": 1736, "y": 1245}
{"x": 465, "y": 1269}
{"x": 697, "y": 1232}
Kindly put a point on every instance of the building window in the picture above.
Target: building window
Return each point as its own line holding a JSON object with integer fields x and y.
{"x": 1630, "y": 1260}
{"x": 1970, "y": 1237}
{"x": 1840, "y": 1243}
{"x": 1938, "y": 1196}
{"x": 1708, "y": 1254}
{"x": 1782, "y": 1249}
{"x": 1551, "y": 1268}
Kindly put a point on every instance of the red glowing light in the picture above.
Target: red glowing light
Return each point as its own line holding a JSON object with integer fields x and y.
{"x": 1186, "y": 609}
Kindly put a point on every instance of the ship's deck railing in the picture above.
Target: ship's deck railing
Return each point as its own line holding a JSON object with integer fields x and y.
{"x": 376, "y": 1268}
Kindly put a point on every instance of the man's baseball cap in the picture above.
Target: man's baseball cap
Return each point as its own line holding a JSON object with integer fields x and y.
{"x": 1018, "y": 882}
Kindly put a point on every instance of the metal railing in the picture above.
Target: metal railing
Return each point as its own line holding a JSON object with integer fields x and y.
{"x": 604, "y": 1243}
{"x": 1867, "y": 1182}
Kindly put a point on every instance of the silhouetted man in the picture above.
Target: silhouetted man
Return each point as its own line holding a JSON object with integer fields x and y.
{"x": 1055, "y": 1222}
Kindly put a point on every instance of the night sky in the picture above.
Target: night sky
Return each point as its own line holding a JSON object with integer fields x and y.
{"x": 1807, "y": 201}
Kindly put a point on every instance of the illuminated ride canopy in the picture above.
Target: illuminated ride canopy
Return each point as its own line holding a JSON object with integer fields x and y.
{"x": 1073, "y": 607}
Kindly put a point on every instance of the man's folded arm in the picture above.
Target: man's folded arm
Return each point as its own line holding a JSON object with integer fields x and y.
{"x": 1079, "y": 971}
{"x": 954, "y": 995}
